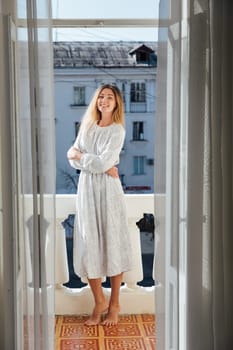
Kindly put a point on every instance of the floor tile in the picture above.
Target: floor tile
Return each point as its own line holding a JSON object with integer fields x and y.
{"x": 133, "y": 332}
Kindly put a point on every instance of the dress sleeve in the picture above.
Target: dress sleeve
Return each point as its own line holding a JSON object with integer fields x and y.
{"x": 98, "y": 164}
{"x": 74, "y": 162}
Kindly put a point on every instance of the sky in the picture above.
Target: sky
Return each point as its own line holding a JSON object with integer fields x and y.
{"x": 100, "y": 9}
{"x": 105, "y": 8}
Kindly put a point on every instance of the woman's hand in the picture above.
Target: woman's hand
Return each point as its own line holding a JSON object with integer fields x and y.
{"x": 113, "y": 172}
{"x": 74, "y": 154}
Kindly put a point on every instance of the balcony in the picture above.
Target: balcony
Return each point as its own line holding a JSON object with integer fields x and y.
{"x": 137, "y": 107}
{"x": 73, "y": 305}
{"x": 134, "y": 299}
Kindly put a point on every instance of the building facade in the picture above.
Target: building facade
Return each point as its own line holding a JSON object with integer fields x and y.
{"x": 79, "y": 68}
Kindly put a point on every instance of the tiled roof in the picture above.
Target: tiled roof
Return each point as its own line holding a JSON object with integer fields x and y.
{"x": 100, "y": 54}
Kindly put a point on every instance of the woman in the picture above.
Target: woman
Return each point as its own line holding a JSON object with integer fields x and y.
{"x": 101, "y": 243}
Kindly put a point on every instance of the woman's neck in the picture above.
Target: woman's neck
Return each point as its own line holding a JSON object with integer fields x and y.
{"x": 105, "y": 120}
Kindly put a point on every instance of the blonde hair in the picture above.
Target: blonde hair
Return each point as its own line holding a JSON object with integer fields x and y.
{"x": 92, "y": 113}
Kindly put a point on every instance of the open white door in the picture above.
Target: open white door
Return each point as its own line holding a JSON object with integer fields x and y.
{"x": 172, "y": 123}
{"x": 18, "y": 252}
{"x": 33, "y": 162}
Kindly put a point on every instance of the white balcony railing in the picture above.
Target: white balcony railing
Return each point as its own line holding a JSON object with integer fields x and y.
{"x": 133, "y": 298}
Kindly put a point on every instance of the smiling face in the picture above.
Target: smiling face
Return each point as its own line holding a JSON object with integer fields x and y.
{"x": 106, "y": 101}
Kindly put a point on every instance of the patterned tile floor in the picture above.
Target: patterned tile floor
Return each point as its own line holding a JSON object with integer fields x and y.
{"x": 133, "y": 332}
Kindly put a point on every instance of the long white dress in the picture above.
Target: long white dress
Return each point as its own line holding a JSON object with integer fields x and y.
{"x": 102, "y": 244}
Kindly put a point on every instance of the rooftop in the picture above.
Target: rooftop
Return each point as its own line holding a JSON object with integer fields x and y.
{"x": 108, "y": 54}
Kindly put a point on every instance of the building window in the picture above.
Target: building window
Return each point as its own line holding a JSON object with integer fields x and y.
{"x": 123, "y": 93}
{"x": 122, "y": 178}
{"x": 138, "y": 92}
{"x": 139, "y": 165}
{"x": 138, "y": 131}
{"x": 144, "y": 55}
{"x": 79, "y": 96}
{"x": 77, "y": 126}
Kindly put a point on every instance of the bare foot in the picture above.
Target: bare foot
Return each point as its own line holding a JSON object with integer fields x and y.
{"x": 98, "y": 310}
{"x": 112, "y": 316}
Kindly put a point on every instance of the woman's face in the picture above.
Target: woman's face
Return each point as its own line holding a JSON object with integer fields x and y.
{"x": 106, "y": 101}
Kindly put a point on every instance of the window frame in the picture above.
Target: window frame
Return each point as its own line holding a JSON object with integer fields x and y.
{"x": 139, "y": 164}
{"x": 138, "y": 92}
{"x": 79, "y": 95}
{"x": 138, "y": 131}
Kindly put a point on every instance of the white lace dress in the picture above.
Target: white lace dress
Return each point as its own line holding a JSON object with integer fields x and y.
{"x": 102, "y": 244}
